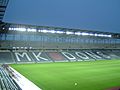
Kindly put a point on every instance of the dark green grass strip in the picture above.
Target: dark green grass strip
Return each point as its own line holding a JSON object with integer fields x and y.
{"x": 94, "y": 75}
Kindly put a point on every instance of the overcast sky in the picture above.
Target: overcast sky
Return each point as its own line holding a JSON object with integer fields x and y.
{"x": 99, "y": 15}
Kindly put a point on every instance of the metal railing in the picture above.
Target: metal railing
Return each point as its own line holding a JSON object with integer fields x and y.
{"x": 6, "y": 82}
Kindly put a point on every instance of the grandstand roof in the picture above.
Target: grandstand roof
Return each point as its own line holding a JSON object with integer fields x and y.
{"x": 7, "y": 26}
{"x": 3, "y": 6}
{"x": 4, "y": 27}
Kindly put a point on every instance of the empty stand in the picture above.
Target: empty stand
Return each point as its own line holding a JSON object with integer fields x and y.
{"x": 56, "y": 56}
{"x": 6, "y": 57}
{"x": 6, "y": 82}
{"x": 39, "y": 56}
{"x": 34, "y": 56}
{"x": 22, "y": 57}
{"x": 116, "y": 52}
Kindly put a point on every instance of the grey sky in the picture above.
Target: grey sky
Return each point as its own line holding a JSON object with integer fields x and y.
{"x": 100, "y": 15}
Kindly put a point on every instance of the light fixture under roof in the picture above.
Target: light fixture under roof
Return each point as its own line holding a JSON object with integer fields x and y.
{"x": 62, "y": 32}
{"x": 68, "y": 32}
{"x": 84, "y": 33}
{"x": 20, "y": 29}
{"x": 78, "y": 33}
{"x": 31, "y": 30}
{"x": 59, "y": 32}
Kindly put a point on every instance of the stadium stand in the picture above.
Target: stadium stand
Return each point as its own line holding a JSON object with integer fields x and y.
{"x": 111, "y": 54}
{"x": 6, "y": 57}
{"x": 21, "y": 43}
{"x": 6, "y": 82}
{"x": 116, "y": 52}
{"x": 22, "y": 56}
{"x": 37, "y": 56}
{"x": 56, "y": 56}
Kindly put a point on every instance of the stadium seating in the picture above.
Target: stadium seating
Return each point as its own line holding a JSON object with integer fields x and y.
{"x": 56, "y": 56}
{"x": 5, "y": 57}
{"x": 22, "y": 57}
{"x": 37, "y": 56}
{"x": 6, "y": 82}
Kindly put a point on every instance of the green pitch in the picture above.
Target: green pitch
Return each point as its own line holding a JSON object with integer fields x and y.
{"x": 93, "y": 75}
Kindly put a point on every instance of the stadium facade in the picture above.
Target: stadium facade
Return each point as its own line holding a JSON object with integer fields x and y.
{"x": 20, "y": 43}
{"x": 29, "y": 42}
{"x": 19, "y": 36}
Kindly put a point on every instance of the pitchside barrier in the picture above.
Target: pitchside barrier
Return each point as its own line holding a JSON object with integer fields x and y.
{"x": 10, "y": 79}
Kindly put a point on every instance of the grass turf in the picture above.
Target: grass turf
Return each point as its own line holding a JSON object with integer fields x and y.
{"x": 93, "y": 75}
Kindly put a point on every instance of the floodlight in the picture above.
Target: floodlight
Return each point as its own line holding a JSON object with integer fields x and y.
{"x": 22, "y": 47}
{"x": 10, "y": 28}
{"x": 17, "y": 47}
{"x": 69, "y": 32}
{"x": 105, "y": 35}
{"x": 109, "y": 35}
{"x": 31, "y": 30}
{"x": 14, "y": 47}
{"x": 25, "y": 47}
{"x": 100, "y": 35}
{"x": 91, "y": 34}
{"x": 78, "y": 33}
{"x": 96, "y": 34}
{"x": 84, "y": 33}
{"x": 20, "y": 29}
{"x": 30, "y": 47}
{"x": 59, "y": 32}
{"x": 44, "y": 31}
{"x": 52, "y": 31}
